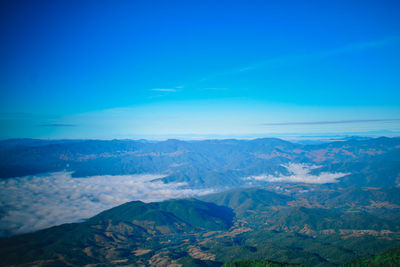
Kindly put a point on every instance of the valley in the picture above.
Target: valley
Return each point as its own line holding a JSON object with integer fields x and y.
{"x": 354, "y": 216}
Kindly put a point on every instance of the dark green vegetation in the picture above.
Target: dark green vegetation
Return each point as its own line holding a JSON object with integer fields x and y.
{"x": 316, "y": 225}
{"x": 388, "y": 258}
{"x": 299, "y": 227}
{"x": 260, "y": 263}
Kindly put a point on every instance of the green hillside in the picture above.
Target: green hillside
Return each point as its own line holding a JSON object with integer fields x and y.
{"x": 389, "y": 258}
{"x": 188, "y": 213}
{"x": 260, "y": 263}
{"x": 293, "y": 226}
{"x": 115, "y": 233}
{"x": 247, "y": 200}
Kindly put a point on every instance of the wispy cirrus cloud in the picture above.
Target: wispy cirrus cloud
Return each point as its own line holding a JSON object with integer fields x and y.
{"x": 296, "y": 59}
{"x": 163, "y": 89}
{"x": 58, "y": 125}
{"x": 327, "y": 122}
{"x": 300, "y": 58}
{"x": 25, "y": 115}
{"x": 215, "y": 88}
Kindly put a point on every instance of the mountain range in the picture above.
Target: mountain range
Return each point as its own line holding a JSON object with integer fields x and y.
{"x": 208, "y": 163}
{"x": 266, "y": 211}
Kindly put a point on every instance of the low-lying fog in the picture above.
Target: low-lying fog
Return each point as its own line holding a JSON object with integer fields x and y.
{"x": 39, "y": 201}
{"x": 35, "y": 202}
{"x": 299, "y": 173}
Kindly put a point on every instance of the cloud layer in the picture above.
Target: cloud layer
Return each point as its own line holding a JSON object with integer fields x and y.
{"x": 35, "y": 202}
{"x": 300, "y": 173}
{"x": 327, "y": 122}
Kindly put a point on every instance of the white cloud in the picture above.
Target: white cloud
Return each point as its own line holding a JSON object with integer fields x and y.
{"x": 35, "y": 202}
{"x": 164, "y": 90}
{"x": 300, "y": 173}
{"x": 215, "y": 88}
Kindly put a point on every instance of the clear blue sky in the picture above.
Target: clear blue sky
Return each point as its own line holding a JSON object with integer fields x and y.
{"x": 133, "y": 69}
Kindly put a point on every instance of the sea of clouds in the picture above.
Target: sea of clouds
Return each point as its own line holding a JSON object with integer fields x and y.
{"x": 300, "y": 173}
{"x": 36, "y": 202}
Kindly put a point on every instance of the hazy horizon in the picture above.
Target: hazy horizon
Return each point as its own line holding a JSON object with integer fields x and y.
{"x": 292, "y": 137}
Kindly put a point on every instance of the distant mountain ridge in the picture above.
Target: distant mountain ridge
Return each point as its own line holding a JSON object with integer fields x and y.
{"x": 208, "y": 163}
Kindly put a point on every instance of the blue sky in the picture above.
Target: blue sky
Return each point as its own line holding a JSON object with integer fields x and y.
{"x": 153, "y": 69}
